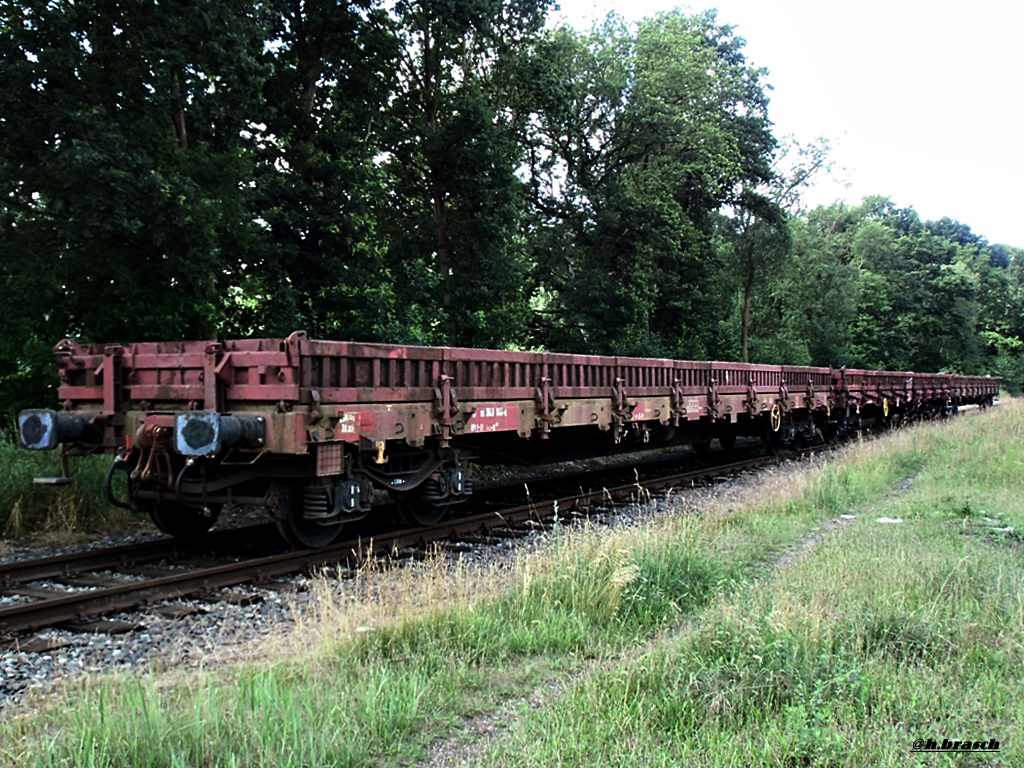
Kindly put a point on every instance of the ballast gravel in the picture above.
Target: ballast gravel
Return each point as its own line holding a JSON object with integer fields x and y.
{"x": 224, "y": 631}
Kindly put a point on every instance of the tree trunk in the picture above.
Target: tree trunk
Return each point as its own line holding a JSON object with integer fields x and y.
{"x": 445, "y": 267}
{"x": 748, "y": 298}
{"x": 442, "y": 244}
{"x": 178, "y": 116}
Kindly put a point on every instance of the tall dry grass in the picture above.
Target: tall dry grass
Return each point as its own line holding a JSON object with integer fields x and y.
{"x": 678, "y": 641}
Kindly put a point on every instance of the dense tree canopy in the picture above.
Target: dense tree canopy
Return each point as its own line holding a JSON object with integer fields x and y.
{"x": 638, "y": 137}
{"x": 448, "y": 173}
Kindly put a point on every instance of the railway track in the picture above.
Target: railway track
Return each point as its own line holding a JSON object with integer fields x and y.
{"x": 91, "y": 584}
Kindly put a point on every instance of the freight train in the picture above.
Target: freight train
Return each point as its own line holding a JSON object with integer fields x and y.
{"x": 313, "y": 430}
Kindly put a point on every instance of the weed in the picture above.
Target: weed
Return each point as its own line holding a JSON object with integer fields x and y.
{"x": 56, "y": 513}
{"x": 679, "y": 645}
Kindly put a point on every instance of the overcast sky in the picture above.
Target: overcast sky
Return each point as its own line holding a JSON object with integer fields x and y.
{"x": 921, "y": 100}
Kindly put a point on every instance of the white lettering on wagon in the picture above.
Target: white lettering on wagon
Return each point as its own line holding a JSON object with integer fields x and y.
{"x": 347, "y": 425}
{"x": 493, "y": 418}
{"x": 351, "y": 425}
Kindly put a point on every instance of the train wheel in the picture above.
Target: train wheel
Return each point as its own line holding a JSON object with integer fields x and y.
{"x": 727, "y": 440}
{"x": 416, "y": 511}
{"x": 288, "y": 505}
{"x": 430, "y": 502}
{"x": 702, "y": 447}
{"x": 183, "y": 521}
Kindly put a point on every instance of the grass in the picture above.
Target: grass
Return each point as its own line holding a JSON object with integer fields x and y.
{"x": 680, "y": 641}
{"x": 53, "y": 513}
{"x": 881, "y": 634}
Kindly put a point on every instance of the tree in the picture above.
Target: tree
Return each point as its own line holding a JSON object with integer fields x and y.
{"x": 816, "y": 296}
{"x": 124, "y": 158}
{"x": 757, "y": 233}
{"x": 121, "y": 167}
{"x": 638, "y": 137}
{"x": 316, "y": 261}
{"x": 454, "y": 207}
{"x": 923, "y": 293}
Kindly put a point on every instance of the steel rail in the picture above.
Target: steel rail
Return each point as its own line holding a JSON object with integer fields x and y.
{"x": 79, "y": 605}
{"x": 56, "y": 566}
{"x": 119, "y": 556}
{"x": 125, "y": 555}
{"x": 52, "y": 612}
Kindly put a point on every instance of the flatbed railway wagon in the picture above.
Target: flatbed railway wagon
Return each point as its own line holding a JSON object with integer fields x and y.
{"x": 311, "y": 430}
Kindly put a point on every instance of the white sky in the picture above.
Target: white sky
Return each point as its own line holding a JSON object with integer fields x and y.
{"x": 922, "y": 101}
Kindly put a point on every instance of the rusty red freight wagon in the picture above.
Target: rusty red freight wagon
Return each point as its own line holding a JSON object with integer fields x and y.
{"x": 308, "y": 429}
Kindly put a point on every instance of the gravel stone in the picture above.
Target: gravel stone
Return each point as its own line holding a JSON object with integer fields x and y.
{"x": 223, "y": 632}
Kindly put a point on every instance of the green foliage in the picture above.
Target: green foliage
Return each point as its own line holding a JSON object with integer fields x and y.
{"x": 640, "y": 135}
{"x": 844, "y": 652}
{"x": 315, "y": 261}
{"x": 452, "y": 214}
{"x": 122, "y": 164}
{"x": 1008, "y": 360}
{"x": 448, "y": 173}
{"x": 79, "y": 508}
{"x": 875, "y": 287}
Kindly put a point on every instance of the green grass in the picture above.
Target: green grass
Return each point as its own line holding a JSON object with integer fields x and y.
{"x": 679, "y": 642}
{"x": 279, "y": 714}
{"x": 27, "y": 509}
{"x": 880, "y": 634}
